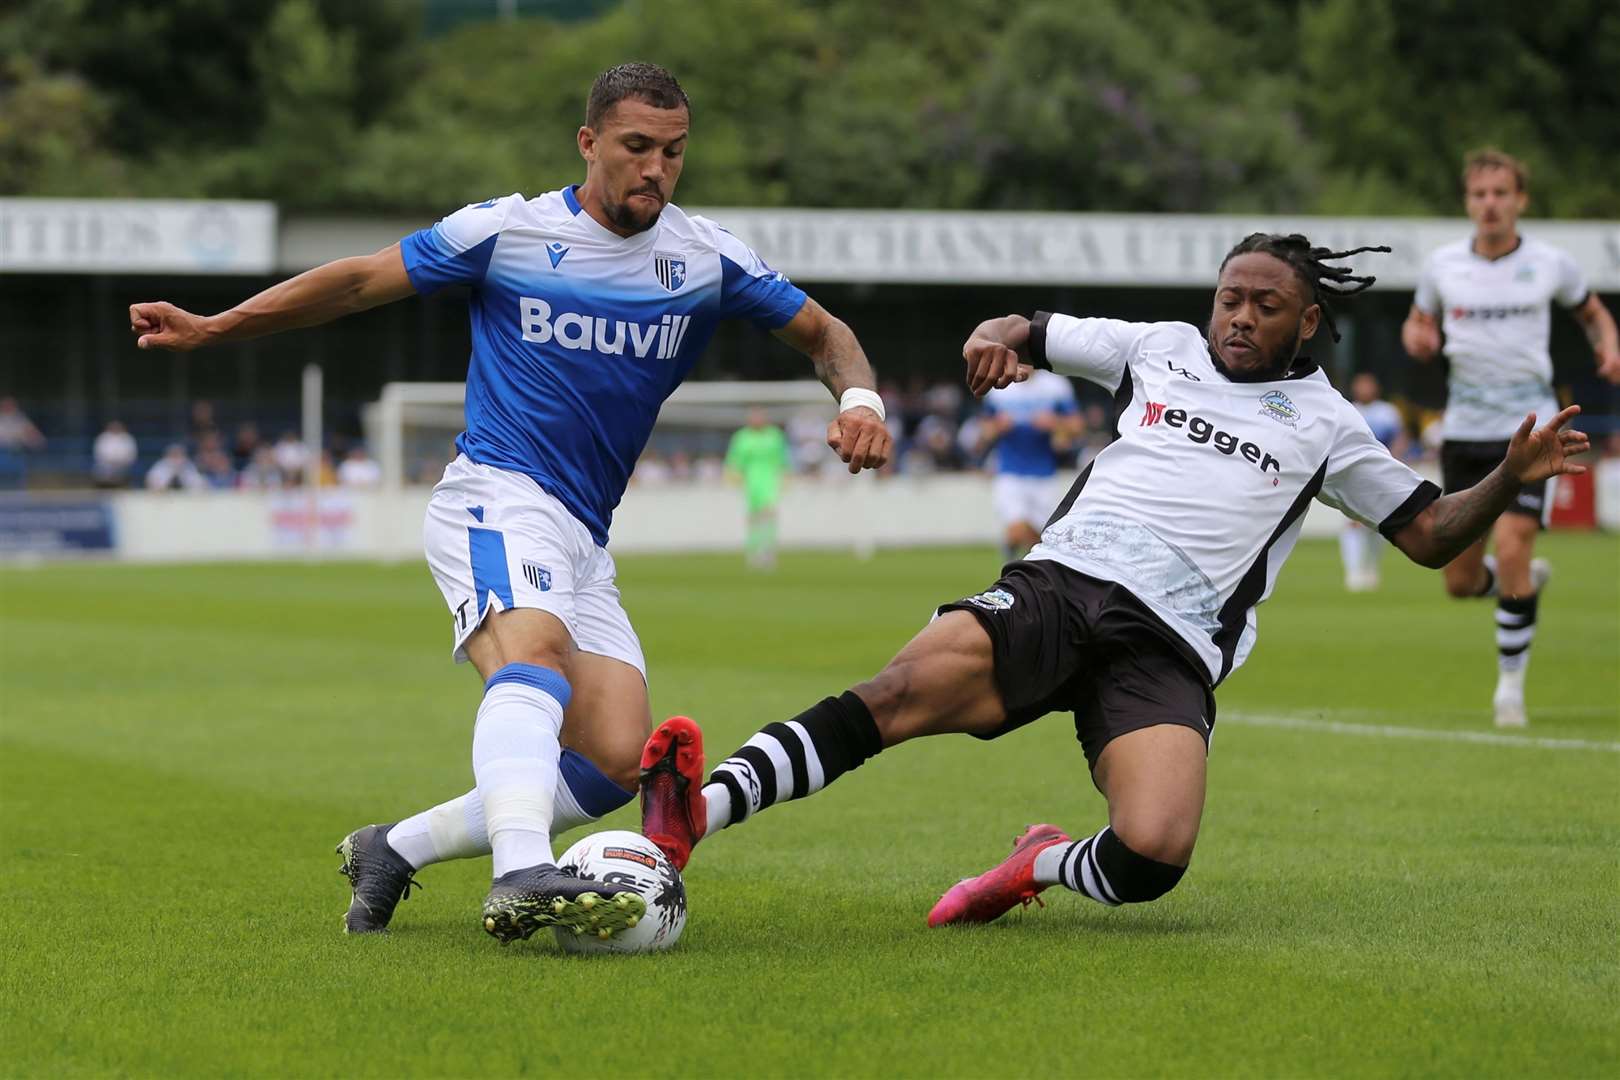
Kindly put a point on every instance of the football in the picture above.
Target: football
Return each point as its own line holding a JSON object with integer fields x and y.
{"x": 621, "y": 857}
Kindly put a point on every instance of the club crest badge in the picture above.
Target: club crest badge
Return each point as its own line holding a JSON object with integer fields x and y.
{"x": 537, "y": 575}
{"x": 1275, "y": 404}
{"x": 994, "y": 600}
{"x": 671, "y": 270}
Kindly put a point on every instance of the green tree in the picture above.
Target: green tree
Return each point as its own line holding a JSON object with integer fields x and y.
{"x": 1334, "y": 106}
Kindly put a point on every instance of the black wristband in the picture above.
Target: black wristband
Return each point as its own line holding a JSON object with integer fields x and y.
{"x": 1037, "y": 340}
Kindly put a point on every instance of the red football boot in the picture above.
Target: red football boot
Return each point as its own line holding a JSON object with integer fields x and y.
{"x": 991, "y": 894}
{"x": 674, "y": 813}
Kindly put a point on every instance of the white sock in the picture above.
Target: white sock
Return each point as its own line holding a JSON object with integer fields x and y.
{"x": 1372, "y": 550}
{"x": 456, "y": 829}
{"x": 1047, "y": 864}
{"x": 717, "y": 799}
{"x": 451, "y": 830}
{"x": 1352, "y": 541}
{"x": 515, "y": 750}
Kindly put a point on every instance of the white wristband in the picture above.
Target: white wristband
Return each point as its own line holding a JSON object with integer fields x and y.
{"x": 861, "y": 397}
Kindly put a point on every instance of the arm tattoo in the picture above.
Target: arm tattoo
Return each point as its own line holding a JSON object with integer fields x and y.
{"x": 839, "y": 359}
{"x": 1458, "y": 519}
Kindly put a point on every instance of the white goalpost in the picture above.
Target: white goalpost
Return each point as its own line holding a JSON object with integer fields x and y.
{"x": 412, "y": 425}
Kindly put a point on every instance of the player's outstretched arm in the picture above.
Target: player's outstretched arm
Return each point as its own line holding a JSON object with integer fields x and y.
{"x": 858, "y": 434}
{"x": 997, "y": 354}
{"x": 316, "y": 296}
{"x": 1598, "y": 325}
{"x": 1452, "y": 522}
{"x": 1420, "y": 334}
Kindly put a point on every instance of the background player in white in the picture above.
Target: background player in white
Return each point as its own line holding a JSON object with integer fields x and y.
{"x": 1028, "y": 423}
{"x": 589, "y": 305}
{"x": 1360, "y": 548}
{"x": 1140, "y": 597}
{"x": 1490, "y": 295}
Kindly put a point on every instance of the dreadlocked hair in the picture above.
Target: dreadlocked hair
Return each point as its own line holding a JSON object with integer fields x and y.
{"x": 1310, "y": 265}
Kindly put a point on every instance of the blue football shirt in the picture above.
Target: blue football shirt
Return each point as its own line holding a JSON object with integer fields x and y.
{"x": 579, "y": 334}
{"x": 1025, "y": 450}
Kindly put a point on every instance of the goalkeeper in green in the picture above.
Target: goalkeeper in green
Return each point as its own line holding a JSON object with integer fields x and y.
{"x": 758, "y": 456}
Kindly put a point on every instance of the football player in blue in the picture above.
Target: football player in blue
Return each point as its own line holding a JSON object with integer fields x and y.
{"x": 589, "y": 306}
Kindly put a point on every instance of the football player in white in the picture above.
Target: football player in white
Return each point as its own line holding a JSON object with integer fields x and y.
{"x": 1490, "y": 296}
{"x": 1140, "y": 597}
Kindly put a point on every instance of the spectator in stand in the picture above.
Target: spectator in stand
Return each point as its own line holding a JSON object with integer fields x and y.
{"x": 359, "y": 470}
{"x": 944, "y": 400}
{"x": 246, "y": 444}
{"x": 651, "y": 470}
{"x": 807, "y": 434}
{"x": 113, "y": 456}
{"x": 709, "y": 469}
{"x": 261, "y": 472}
{"x": 17, "y": 436}
{"x": 174, "y": 472}
{"x": 680, "y": 467}
{"x": 933, "y": 445}
{"x": 214, "y": 463}
{"x": 292, "y": 457}
{"x": 328, "y": 469}
{"x": 203, "y": 426}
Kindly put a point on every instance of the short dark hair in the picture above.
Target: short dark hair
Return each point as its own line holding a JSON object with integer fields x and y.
{"x": 643, "y": 82}
{"x": 1310, "y": 266}
{"x": 1489, "y": 157}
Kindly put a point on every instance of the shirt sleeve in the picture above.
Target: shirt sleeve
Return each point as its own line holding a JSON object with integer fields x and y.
{"x": 1571, "y": 290}
{"x": 1098, "y": 350}
{"x": 749, "y": 289}
{"x": 456, "y": 250}
{"x": 1365, "y": 481}
{"x": 1427, "y": 297}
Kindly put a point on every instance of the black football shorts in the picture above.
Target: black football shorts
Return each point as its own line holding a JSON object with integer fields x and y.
{"x": 1464, "y": 464}
{"x": 1066, "y": 642}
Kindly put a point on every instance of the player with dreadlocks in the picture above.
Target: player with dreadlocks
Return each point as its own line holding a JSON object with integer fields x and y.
{"x": 1140, "y": 597}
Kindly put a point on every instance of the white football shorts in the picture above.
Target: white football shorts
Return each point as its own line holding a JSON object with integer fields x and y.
{"x": 496, "y": 541}
{"x": 1024, "y": 498}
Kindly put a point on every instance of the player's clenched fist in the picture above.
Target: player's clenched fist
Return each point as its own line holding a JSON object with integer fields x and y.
{"x": 161, "y": 325}
{"x": 992, "y": 354}
{"x": 1420, "y": 335}
{"x": 860, "y": 438}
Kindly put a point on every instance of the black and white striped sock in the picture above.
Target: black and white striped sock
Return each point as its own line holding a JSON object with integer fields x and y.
{"x": 1515, "y": 630}
{"x": 1103, "y": 868}
{"x": 792, "y": 760}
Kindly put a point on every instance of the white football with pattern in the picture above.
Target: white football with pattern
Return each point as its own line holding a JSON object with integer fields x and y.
{"x": 620, "y": 857}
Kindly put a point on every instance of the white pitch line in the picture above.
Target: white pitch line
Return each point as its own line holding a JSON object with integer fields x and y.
{"x": 1385, "y": 731}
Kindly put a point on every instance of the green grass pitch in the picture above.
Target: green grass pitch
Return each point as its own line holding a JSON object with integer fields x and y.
{"x": 183, "y": 746}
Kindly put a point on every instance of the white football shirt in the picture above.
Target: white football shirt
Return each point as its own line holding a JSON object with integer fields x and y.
{"x": 1496, "y": 315}
{"x": 1199, "y": 500}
